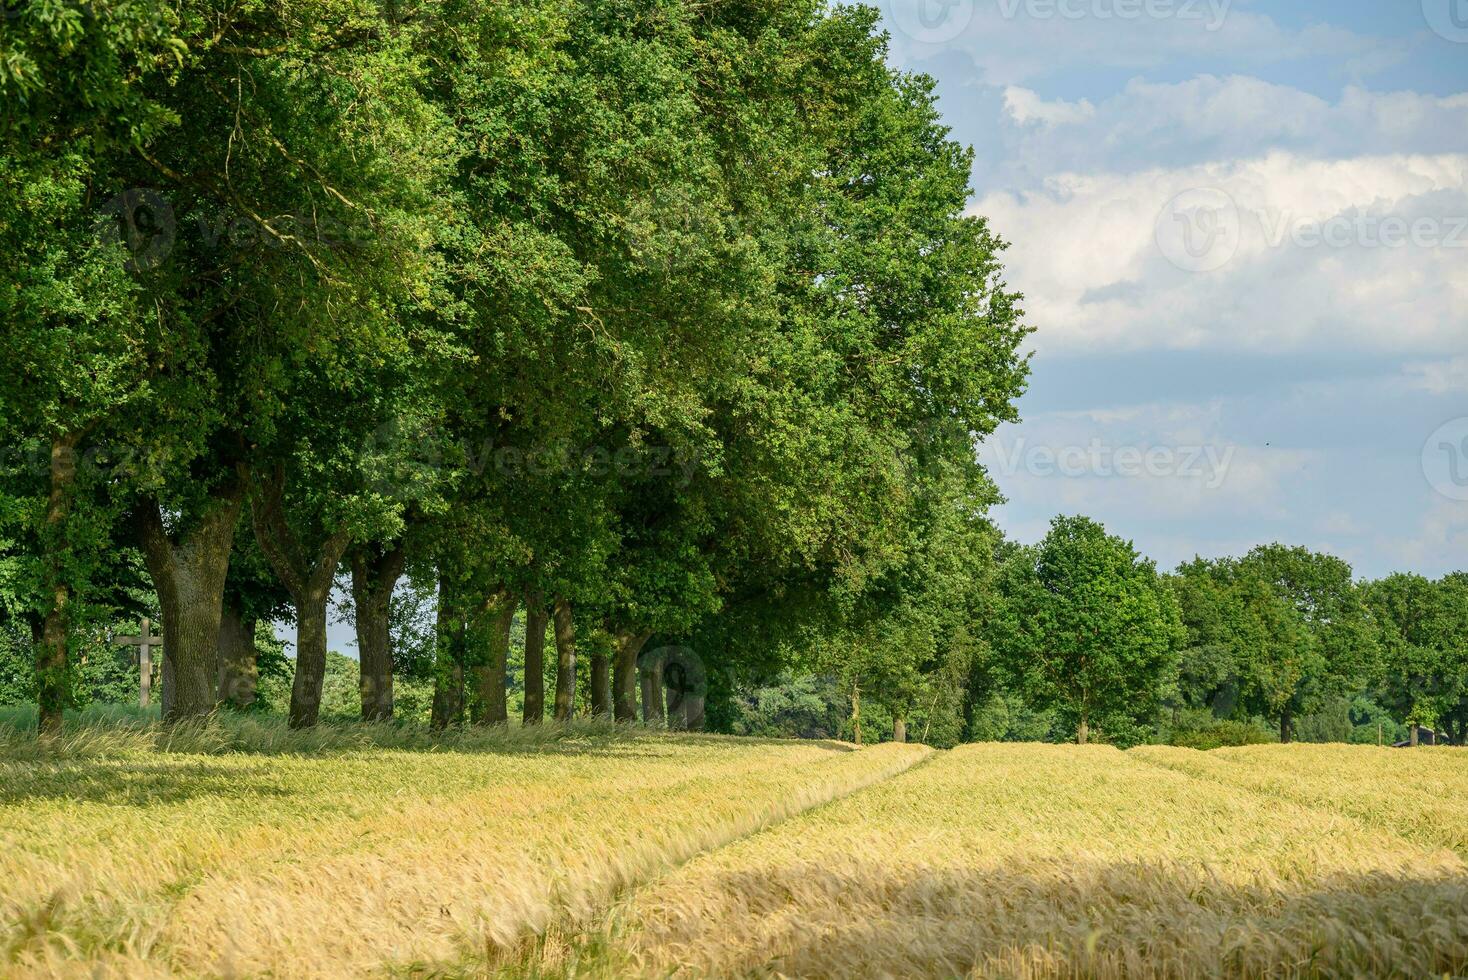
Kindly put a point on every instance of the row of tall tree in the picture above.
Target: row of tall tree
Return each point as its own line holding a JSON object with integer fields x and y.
{"x": 647, "y": 318}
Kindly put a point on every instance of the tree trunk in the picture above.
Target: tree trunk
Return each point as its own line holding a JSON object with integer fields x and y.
{"x": 565, "y": 660}
{"x": 165, "y": 685}
{"x": 189, "y": 569}
{"x": 1412, "y": 735}
{"x": 239, "y": 673}
{"x": 654, "y": 697}
{"x": 308, "y": 581}
{"x": 856, "y": 712}
{"x": 1083, "y": 732}
{"x": 535, "y": 622}
{"x": 624, "y": 674}
{"x": 601, "y": 685}
{"x": 53, "y": 683}
{"x": 310, "y": 676}
{"x": 448, "y": 672}
{"x": 1286, "y": 726}
{"x": 491, "y": 672}
{"x": 899, "y": 729}
{"x": 375, "y": 573}
{"x": 684, "y": 690}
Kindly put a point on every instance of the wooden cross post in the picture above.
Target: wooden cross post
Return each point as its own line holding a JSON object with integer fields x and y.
{"x": 145, "y": 641}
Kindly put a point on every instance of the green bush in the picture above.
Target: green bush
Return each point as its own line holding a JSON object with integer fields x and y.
{"x": 1330, "y": 723}
{"x": 1221, "y": 734}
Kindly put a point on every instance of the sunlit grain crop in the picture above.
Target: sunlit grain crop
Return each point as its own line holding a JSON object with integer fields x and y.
{"x": 1416, "y": 794}
{"x": 1029, "y": 861}
{"x": 562, "y": 852}
{"x": 122, "y": 860}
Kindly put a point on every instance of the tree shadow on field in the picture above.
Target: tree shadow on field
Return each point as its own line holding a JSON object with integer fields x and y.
{"x": 1089, "y": 920}
{"x": 133, "y": 783}
{"x": 231, "y": 734}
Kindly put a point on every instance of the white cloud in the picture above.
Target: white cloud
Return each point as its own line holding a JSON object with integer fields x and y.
{"x": 1310, "y": 260}
{"x": 1026, "y": 107}
{"x": 1142, "y": 463}
{"x": 1443, "y": 377}
{"x": 1147, "y": 125}
{"x": 1440, "y": 544}
{"x": 1339, "y": 522}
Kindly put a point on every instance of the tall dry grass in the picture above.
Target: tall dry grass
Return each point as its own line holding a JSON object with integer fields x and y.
{"x": 1046, "y": 861}
{"x": 243, "y": 852}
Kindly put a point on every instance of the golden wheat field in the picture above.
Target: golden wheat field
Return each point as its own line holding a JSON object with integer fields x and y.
{"x": 1064, "y": 861}
{"x": 340, "y": 863}
{"x": 599, "y": 853}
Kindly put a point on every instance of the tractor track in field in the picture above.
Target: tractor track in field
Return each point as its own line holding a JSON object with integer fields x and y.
{"x": 588, "y": 922}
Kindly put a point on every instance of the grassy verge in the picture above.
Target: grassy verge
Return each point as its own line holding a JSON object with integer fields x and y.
{"x": 1044, "y": 861}
{"x": 239, "y": 850}
{"x": 110, "y": 731}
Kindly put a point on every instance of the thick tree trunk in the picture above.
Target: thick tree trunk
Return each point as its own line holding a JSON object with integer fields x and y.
{"x": 654, "y": 698}
{"x": 375, "y": 573}
{"x": 601, "y": 686}
{"x": 166, "y": 685}
{"x": 1412, "y": 735}
{"x": 188, "y": 571}
{"x": 308, "y": 578}
{"x": 856, "y": 712}
{"x": 624, "y": 674}
{"x": 899, "y": 729}
{"x": 1286, "y": 726}
{"x": 448, "y": 672}
{"x": 374, "y": 653}
{"x": 565, "y": 660}
{"x": 535, "y": 622}
{"x": 491, "y": 671}
{"x": 53, "y": 686}
{"x": 310, "y": 676}
{"x": 683, "y": 689}
{"x": 239, "y": 672}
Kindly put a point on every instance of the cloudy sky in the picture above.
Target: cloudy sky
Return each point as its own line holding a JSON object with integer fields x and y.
{"x": 1242, "y": 231}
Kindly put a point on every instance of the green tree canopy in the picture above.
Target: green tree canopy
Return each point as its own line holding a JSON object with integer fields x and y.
{"x": 1086, "y": 624}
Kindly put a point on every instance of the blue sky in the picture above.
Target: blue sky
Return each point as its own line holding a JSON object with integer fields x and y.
{"x": 1242, "y": 231}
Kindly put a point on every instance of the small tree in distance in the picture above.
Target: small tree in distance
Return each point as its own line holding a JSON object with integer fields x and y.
{"x": 1084, "y": 623}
